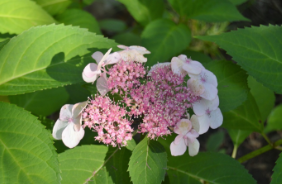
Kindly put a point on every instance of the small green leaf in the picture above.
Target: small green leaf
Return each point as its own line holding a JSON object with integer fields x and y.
{"x": 144, "y": 11}
{"x": 215, "y": 168}
{"x": 54, "y": 7}
{"x": 274, "y": 121}
{"x": 164, "y": 39}
{"x": 94, "y": 164}
{"x": 26, "y": 63}
{"x": 244, "y": 117}
{"x": 43, "y": 102}
{"x": 131, "y": 144}
{"x": 127, "y": 39}
{"x": 27, "y": 154}
{"x": 148, "y": 162}
{"x": 17, "y": 16}
{"x": 214, "y": 141}
{"x": 232, "y": 84}
{"x": 264, "y": 97}
{"x": 238, "y": 136}
{"x": 209, "y": 11}
{"x": 256, "y": 50}
{"x": 79, "y": 18}
{"x": 112, "y": 25}
{"x": 277, "y": 174}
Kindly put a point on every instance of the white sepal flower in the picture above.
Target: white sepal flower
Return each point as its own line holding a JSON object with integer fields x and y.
{"x": 201, "y": 106}
{"x": 211, "y": 119}
{"x": 133, "y": 53}
{"x": 183, "y": 65}
{"x": 68, "y": 126}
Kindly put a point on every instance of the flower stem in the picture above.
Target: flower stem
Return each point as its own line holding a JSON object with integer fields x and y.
{"x": 260, "y": 151}
{"x": 267, "y": 139}
{"x": 234, "y": 153}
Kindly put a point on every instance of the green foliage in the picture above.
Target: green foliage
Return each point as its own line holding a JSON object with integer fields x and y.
{"x": 94, "y": 164}
{"x": 274, "y": 121}
{"x": 215, "y": 168}
{"x": 43, "y": 102}
{"x": 214, "y": 141}
{"x": 277, "y": 175}
{"x": 237, "y": 2}
{"x": 232, "y": 84}
{"x": 144, "y": 11}
{"x": 238, "y": 136}
{"x": 26, "y": 62}
{"x": 112, "y": 25}
{"x": 244, "y": 117}
{"x": 54, "y": 7}
{"x": 148, "y": 162}
{"x": 26, "y": 149}
{"x": 209, "y": 11}
{"x": 257, "y": 50}
{"x": 164, "y": 39}
{"x": 264, "y": 97}
{"x": 127, "y": 38}
{"x": 77, "y": 93}
{"x": 17, "y": 16}
{"x": 79, "y": 18}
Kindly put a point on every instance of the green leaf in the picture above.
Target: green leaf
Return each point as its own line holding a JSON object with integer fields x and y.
{"x": 54, "y": 7}
{"x": 144, "y": 11}
{"x": 148, "y": 162}
{"x": 4, "y": 42}
{"x": 131, "y": 144}
{"x": 209, "y": 11}
{"x": 17, "y": 16}
{"x": 213, "y": 167}
{"x": 26, "y": 63}
{"x": 112, "y": 25}
{"x": 256, "y": 50}
{"x": 88, "y": 2}
{"x": 42, "y": 102}
{"x": 77, "y": 93}
{"x": 237, "y": 2}
{"x": 264, "y": 97}
{"x": 232, "y": 84}
{"x": 79, "y": 18}
{"x": 164, "y": 39}
{"x": 274, "y": 121}
{"x": 94, "y": 164}
{"x": 277, "y": 174}
{"x": 214, "y": 141}
{"x": 244, "y": 117}
{"x": 238, "y": 136}
{"x": 27, "y": 154}
{"x": 127, "y": 38}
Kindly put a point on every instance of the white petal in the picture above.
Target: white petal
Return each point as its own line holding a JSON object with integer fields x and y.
{"x": 196, "y": 86}
{"x": 176, "y": 66}
{"x": 216, "y": 118}
{"x": 140, "y": 58}
{"x": 66, "y": 112}
{"x": 123, "y": 47}
{"x": 210, "y": 78}
{"x": 141, "y": 50}
{"x": 183, "y": 127}
{"x": 71, "y": 137}
{"x": 90, "y": 72}
{"x": 178, "y": 148}
{"x": 193, "y": 67}
{"x": 102, "y": 85}
{"x": 97, "y": 56}
{"x": 78, "y": 108}
{"x": 183, "y": 57}
{"x": 195, "y": 123}
{"x": 100, "y": 64}
{"x": 204, "y": 123}
{"x": 210, "y": 92}
{"x": 59, "y": 128}
{"x": 201, "y": 106}
{"x": 113, "y": 58}
{"x": 158, "y": 66}
{"x": 193, "y": 147}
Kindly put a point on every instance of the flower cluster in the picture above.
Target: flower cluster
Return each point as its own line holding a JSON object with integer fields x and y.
{"x": 161, "y": 98}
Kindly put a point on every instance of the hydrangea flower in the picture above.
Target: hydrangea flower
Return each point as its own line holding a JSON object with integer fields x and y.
{"x": 187, "y": 131}
{"x": 211, "y": 118}
{"x": 183, "y": 65}
{"x": 133, "y": 53}
{"x": 68, "y": 126}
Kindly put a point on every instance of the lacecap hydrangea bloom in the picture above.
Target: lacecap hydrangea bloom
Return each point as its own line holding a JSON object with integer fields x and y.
{"x": 160, "y": 98}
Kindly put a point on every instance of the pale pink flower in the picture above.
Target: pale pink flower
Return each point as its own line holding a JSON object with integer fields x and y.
{"x": 68, "y": 126}
{"x": 211, "y": 118}
{"x": 187, "y": 134}
{"x": 183, "y": 65}
{"x": 133, "y": 53}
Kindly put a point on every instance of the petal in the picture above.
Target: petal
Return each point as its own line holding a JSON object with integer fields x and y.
{"x": 58, "y": 129}
{"x": 216, "y": 118}
{"x": 193, "y": 67}
{"x": 193, "y": 147}
{"x": 70, "y": 137}
{"x": 122, "y": 47}
{"x": 178, "y": 148}
{"x": 176, "y": 66}
{"x": 100, "y": 64}
{"x": 204, "y": 123}
{"x": 141, "y": 50}
{"x": 195, "y": 123}
{"x": 183, "y": 57}
{"x": 158, "y": 66}
{"x": 200, "y": 107}
{"x": 196, "y": 87}
{"x": 210, "y": 91}
{"x": 102, "y": 85}
{"x": 183, "y": 127}
{"x": 210, "y": 78}
{"x": 66, "y": 112}
{"x": 113, "y": 58}
{"x": 78, "y": 108}
{"x": 140, "y": 58}
{"x": 191, "y": 136}
{"x": 97, "y": 56}
{"x": 90, "y": 72}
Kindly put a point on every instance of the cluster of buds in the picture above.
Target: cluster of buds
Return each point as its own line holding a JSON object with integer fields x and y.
{"x": 161, "y": 97}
